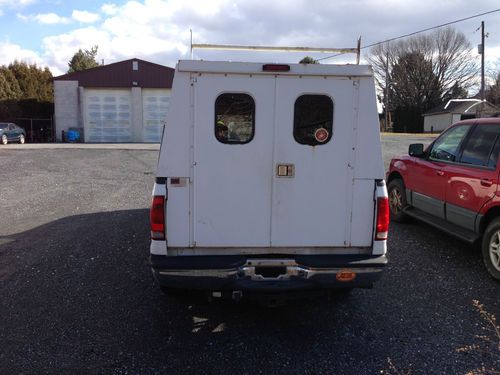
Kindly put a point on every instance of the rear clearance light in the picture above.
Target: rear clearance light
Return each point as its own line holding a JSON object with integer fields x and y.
{"x": 382, "y": 219}
{"x": 276, "y": 68}
{"x": 346, "y": 275}
{"x": 157, "y": 217}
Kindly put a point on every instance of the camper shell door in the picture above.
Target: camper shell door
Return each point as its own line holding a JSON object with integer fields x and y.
{"x": 240, "y": 196}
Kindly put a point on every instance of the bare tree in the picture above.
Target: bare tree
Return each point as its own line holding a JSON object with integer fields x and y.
{"x": 493, "y": 91}
{"x": 442, "y": 62}
{"x": 448, "y": 51}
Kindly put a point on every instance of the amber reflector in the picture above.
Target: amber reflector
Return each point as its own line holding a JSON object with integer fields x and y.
{"x": 346, "y": 275}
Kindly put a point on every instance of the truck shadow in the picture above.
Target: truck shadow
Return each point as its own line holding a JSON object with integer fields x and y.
{"x": 78, "y": 293}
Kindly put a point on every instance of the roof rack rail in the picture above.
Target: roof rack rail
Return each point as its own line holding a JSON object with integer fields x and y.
{"x": 356, "y": 50}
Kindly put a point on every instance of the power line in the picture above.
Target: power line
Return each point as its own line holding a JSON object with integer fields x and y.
{"x": 416, "y": 32}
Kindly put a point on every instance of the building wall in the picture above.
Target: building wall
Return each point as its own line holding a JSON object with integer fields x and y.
{"x": 455, "y": 118}
{"x": 75, "y": 107}
{"x": 137, "y": 122}
{"x": 438, "y": 122}
{"x": 66, "y": 107}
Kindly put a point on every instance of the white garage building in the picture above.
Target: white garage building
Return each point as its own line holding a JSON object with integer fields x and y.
{"x": 442, "y": 116}
{"x": 122, "y": 102}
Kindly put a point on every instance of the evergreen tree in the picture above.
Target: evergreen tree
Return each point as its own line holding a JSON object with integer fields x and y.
{"x": 9, "y": 87}
{"x": 83, "y": 60}
{"x": 308, "y": 60}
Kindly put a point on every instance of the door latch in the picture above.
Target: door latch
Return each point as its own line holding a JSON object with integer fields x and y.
{"x": 285, "y": 170}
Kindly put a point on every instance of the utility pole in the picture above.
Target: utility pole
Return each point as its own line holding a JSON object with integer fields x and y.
{"x": 386, "y": 125}
{"x": 482, "y": 61}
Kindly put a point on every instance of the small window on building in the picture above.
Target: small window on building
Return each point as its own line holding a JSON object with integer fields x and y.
{"x": 135, "y": 65}
{"x": 234, "y": 118}
{"x": 479, "y": 145}
{"x": 313, "y": 119}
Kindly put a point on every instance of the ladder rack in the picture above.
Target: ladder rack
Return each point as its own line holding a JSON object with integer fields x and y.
{"x": 356, "y": 50}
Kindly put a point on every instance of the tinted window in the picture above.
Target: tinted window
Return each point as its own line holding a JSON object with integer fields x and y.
{"x": 493, "y": 160}
{"x": 477, "y": 150}
{"x": 446, "y": 147}
{"x": 313, "y": 119}
{"x": 234, "y": 118}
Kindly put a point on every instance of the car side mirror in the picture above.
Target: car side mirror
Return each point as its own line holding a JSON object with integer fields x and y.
{"x": 416, "y": 149}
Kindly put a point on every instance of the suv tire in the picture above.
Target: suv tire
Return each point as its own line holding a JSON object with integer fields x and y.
{"x": 397, "y": 200}
{"x": 491, "y": 248}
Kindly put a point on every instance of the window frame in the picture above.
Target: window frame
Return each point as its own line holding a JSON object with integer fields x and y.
{"x": 253, "y": 118}
{"x": 330, "y": 135}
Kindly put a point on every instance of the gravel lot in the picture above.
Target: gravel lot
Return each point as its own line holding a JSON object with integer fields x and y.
{"x": 77, "y": 295}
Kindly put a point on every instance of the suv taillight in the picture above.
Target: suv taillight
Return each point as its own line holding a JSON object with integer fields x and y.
{"x": 382, "y": 219}
{"x": 157, "y": 217}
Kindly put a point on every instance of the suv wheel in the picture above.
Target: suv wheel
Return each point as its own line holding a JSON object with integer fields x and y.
{"x": 21, "y": 139}
{"x": 4, "y": 139}
{"x": 491, "y": 248}
{"x": 397, "y": 200}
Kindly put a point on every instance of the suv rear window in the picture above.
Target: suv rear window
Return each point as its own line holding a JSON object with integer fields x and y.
{"x": 234, "y": 118}
{"x": 479, "y": 144}
{"x": 313, "y": 119}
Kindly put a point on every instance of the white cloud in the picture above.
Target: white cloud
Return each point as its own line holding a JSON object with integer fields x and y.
{"x": 10, "y": 52}
{"x": 22, "y": 17}
{"x": 50, "y": 19}
{"x": 109, "y": 9}
{"x": 158, "y": 30}
{"x": 60, "y": 49}
{"x": 85, "y": 17}
{"x": 16, "y": 3}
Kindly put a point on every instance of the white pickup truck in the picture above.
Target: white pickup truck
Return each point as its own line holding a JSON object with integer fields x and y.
{"x": 269, "y": 179}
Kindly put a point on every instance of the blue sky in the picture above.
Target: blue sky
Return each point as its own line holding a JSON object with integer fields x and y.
{"x": 29, "y": 32}
{"x": 49, "y": 32}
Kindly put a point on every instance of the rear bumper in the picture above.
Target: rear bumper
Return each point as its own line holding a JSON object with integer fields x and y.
{"x": 300, "y": 272}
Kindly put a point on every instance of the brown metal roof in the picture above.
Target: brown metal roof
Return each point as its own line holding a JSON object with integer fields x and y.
{"x": 122, "y": 74}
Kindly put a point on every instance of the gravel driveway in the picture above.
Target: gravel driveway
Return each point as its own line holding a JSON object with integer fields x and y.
{"x": 77, "y": 295}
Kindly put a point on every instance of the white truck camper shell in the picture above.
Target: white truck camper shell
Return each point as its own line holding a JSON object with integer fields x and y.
{"x": 270, "y": 178}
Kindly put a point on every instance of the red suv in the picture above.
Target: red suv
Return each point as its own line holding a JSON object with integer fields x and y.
{"x": 453, "y": 185}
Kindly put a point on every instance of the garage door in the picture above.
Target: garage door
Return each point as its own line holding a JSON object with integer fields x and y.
{"x": 155, "y": 104}
{"x": 108, "y": 116}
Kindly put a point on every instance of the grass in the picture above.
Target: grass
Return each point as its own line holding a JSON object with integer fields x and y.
{"x": 487, "y": 343}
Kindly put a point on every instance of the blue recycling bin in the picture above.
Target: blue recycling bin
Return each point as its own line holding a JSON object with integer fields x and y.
{"x": 73, "y": 135}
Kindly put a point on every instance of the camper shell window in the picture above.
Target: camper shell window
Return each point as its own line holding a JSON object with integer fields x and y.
{"x": 234, "y": 118}
{"x": 313, "y": 119}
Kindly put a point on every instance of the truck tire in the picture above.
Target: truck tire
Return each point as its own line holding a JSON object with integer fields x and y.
{"x": 491, "y": 248}
{"x": 397, "y": 200}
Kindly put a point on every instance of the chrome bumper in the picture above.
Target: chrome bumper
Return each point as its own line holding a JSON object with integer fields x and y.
{"x": 271, "y": 274}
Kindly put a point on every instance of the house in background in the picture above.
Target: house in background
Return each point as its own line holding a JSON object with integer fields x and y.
{"x": 122, "y": 102}
{"x": 442, "y": 116}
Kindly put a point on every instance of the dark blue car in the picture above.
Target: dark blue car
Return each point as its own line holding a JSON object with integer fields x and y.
{"x": 10, "y": 132}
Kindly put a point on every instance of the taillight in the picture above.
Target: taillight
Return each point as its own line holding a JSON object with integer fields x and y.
{"x": 276, "y": 68}
{"x": 382, "y": 219}
{"x": 157, "y": 217}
